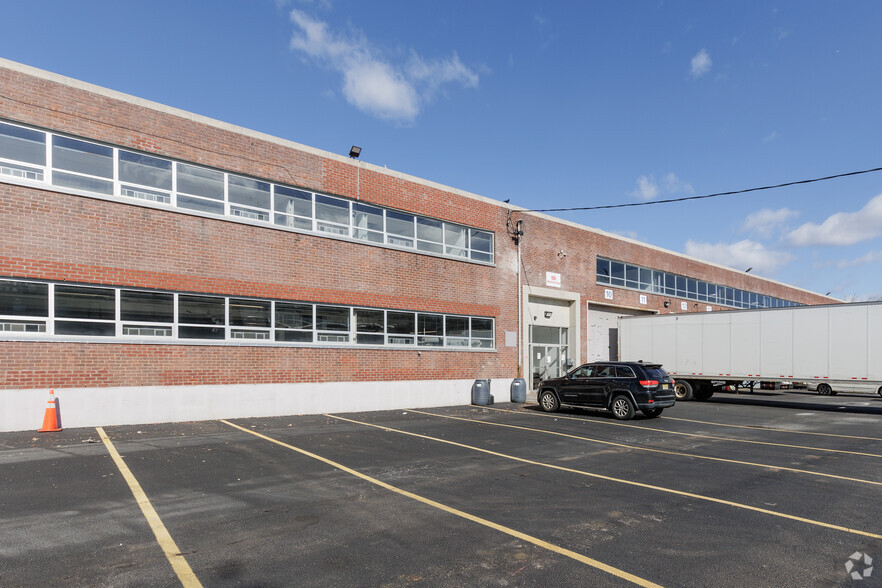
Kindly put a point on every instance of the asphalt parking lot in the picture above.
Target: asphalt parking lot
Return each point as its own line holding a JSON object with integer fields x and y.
{"x": 731, "y": 492}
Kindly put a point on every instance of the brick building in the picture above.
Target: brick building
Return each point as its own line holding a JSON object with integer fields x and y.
{"x": 157, "y": 265}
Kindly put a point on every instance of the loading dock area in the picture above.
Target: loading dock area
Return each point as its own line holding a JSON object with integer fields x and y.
{"x": 714, "y": 494}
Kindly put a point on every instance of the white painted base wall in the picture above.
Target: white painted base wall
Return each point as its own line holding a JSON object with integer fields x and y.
{"x": 22, "y": 410}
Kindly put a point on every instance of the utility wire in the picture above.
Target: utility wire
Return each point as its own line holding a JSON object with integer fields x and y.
{"x": 669, "y": 200}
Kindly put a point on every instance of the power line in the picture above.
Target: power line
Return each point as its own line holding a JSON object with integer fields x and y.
{"x": 669, "y": 200}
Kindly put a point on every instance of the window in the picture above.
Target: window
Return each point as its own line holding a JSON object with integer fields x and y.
{"x": 294, "y": 322}
{"x": 482, "y": 332}
{"x": 87, "y": 161}
{"x": 335, "y": 321}
{"x": 252, "y": 194}
{"x": 367, "y": 222}
{"x": 200, "y": 189}
{"x": 482, "y": 245}
{"x": 201, "y": 310}
{"x": 22, "y": 145}
{"x": 369, "y": 326}
{"x": 401, "y": 327}
{"x": 24, "y": 299}
{"x": 93, "y": 308}
{"x": 430, "y": 330}
{"x": 457, "y": 330}
{"x": 332, "y": 215}
{"x": 457, "y": 240}
{"x": 399, "y": 228}
{"x": 430, "y": 235}
{"x": 603, "y": 274}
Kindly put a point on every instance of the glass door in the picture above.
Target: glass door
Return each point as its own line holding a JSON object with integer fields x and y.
{"x": 548, "y": 352}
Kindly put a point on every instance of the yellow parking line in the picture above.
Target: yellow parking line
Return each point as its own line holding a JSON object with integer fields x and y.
{"x": 649, "y": 449}
{"x": 776, "y": 430}
{"x": 507, "y": 530}
{"x": 172, "y": 553}
{"x": 617, "y": 480}
{"x": 617, "y": 424}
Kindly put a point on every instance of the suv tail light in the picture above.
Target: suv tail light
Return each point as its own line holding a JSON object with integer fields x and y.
{"x": 648, "y": 383}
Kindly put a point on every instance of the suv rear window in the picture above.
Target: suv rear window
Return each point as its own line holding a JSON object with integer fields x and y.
{"x": 623, "y": 371}
{"x": 655, "y": 373}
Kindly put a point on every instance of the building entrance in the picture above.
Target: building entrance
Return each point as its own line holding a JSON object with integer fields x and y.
{"x": 549, "y": 352}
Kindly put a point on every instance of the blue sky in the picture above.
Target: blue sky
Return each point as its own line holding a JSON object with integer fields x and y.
{"x": 550, "y": 104}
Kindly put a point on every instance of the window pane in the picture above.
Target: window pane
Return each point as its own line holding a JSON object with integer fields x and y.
{"x": 201, "y": 332}
{"x": 82, "y": 157}
{"x": 603, "y": 271}
{"x": 369, "y": 321}
{"x": 291, "y": 201}
{"x": 201, "y": 310}
{"x": 249, "y": 192}
{"x": 331, "y": 318}
{"x": 294, "y": 336}
{"x": 22, "y": 144}
{"x": 430, "y": 247}
{"x": 363, "y": 339}
{"x": 367, "y": 217}
{"x": 549, "y": 335}
{"x": 85, "y": 329}
{"x": 456, "y": 239}
{"x": 618, "y": 273}
{"x": 24, "y": 299}
{"x": 429, "y": 229}
{"x": 147, "y": 306}
{"x": 249, "y": 313}
{"x": 293, "y": 316}
{"x": 331, "y": 209}
{"x": 482, "y": 328}
{"x": 200, "y": 182}
{"x": 294, "y": 222}
{"x": 482, "y": 241}
{"x": 400, "y": 323}
{"x": 86, "y": 303}
{"x": 82, "y": 183}
{"x": 200, "y": 204}
{"x": 632, "y": 276}
{"x": 398, "y": 223}
{"x": 145, "y": 170}
{"x": 430, "y": 324}
{"x": 457, "y": 326}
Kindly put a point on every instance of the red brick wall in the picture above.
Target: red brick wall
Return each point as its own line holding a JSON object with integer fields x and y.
{"x": 60, "y": 237}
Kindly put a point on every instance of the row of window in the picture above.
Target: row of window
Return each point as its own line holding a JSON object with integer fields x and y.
{"x": 57, "y": 160}
{"x": 634, "y": 277}
{"x": 37, "y": 308}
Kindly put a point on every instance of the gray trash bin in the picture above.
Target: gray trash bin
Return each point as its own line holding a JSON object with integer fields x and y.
{"x": 481, "y": 392}
{"x": 518, "y": 390}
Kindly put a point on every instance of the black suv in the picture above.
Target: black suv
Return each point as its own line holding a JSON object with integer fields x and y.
{"x": 619, "y": 386}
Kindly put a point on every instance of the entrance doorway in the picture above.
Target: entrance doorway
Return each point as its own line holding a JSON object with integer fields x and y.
{"x": 549, "y": 352}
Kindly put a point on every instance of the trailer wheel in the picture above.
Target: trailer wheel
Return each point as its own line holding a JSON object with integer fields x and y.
{"x": 879, "y": 391}
{"x": 825, "y": 390}
{"x": 683, "y": 390}
{"x": 703, "y": 393}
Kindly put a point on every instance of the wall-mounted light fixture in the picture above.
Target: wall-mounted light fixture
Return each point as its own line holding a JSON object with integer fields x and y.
{"x": 354, "y": 152}
{"x": 547, "y": 314}
{"x": 667, "y": 303}
{"x": 747, "y": 271}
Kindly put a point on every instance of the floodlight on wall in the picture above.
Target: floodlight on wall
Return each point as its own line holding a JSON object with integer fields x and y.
{"x": 747, "y": 271}
{"x": 667, "y": 303}
{"x": 547, "y": 314}
{"x": 354, "y": 152}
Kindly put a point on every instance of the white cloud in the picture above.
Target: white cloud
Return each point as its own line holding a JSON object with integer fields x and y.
{"x": 871, "y": 257}
{"x": 370, "y": 82}
{"x": 771, "y": 137}
{"x": 649, "y": 189}
{"x": 842, "y": 228}
{"x": 701, "y": 63}
{"x": 764, "y": 222}
{"x": 740, "y": 255}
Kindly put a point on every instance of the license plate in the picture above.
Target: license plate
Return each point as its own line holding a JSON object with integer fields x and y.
{"x": 666, "y": 386}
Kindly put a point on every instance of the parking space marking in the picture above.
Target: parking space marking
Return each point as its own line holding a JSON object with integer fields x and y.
{"x": 616, "y": 480}
{"x": 169, "y": 548}
{"x": 501, "y": 528}
{"x": 617, "y": 424}
{"x": 669, "y": 418}
{"x": 652, "y": 450}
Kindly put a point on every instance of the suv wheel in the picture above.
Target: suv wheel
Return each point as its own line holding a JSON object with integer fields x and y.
{"x": 652, "y": 412}
{"x": 622, "y": 407}
{"x": 548, "y": 401}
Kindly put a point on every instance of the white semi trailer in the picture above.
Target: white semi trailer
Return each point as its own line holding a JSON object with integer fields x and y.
{"x": 835, "y": 347}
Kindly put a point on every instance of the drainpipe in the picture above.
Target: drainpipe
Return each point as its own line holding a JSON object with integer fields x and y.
{"x": 520, "y": 233}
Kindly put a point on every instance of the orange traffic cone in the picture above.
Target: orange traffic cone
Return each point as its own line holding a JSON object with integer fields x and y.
{"x": 50, "y": 419}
